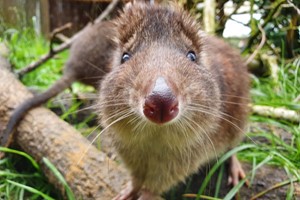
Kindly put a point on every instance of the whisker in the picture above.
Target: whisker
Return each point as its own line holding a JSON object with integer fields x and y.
{"x": 205, "y": 133}
{"x": 240, "y": 97}
{"x": 82, "y": 109}
{"x": 91, "y": 132}
{"x": 222, "y": 118}
{"x": 115, "y": 114}
{"x": 181, "y": 123}
{"x": 98, "y": 135}
{"x": 94, "y": 107}
{"x": 71, "y": 98}
{"x": 99, "y": 78}
{"x": 87, "y": 148}
{"x": 95, "y": 66}
{"x": 206, "y": 108}
{"x": 109, "y": 104}
{"x": 199, "y": 138}
{"x": 221, "y": 101}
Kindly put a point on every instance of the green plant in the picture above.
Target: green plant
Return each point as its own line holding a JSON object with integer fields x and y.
{"x": 25, "y": 46}
{"x": 22, "y": 178}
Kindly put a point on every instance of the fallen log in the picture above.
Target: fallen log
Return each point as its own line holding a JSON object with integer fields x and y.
{"x": 89, "y": 172}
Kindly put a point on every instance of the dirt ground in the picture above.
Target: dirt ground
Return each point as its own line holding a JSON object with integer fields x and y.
{"x": 265, "y": 177}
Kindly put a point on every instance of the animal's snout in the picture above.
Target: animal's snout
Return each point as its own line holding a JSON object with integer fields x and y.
{"x": 161, "y": 105}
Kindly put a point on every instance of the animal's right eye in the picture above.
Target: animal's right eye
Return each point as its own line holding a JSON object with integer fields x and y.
{"x": 125, "y": 57}
{"x": 191, "y": 55}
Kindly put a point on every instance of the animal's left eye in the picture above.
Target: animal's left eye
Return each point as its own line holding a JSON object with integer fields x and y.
{"x": 191, "y": 55}
{"x": 125, "y": 57}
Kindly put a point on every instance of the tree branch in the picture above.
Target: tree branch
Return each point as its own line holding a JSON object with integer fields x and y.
{"x": 276, "y": 6}
{"x": 261, "y": 44}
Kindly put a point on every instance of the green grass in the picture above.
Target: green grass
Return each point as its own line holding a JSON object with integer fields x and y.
{"x": 22, "y": 178}
{"x": 281, "y": 94}
{"x": 280, "y": 138}
{"x": 25, "y": 47}
{"x": 28, "y": 182}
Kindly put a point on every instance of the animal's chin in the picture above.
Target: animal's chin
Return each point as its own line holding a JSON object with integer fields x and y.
{"x": 160, "y": 124}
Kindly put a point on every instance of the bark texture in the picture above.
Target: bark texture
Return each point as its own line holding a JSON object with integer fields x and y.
{"x": 89, "y": 172}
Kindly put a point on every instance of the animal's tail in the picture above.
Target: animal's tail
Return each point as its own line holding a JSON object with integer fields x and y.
{"x": 64, "y": 82}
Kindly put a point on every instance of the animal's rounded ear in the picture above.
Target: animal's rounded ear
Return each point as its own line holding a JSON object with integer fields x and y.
{"x": 128, "y": 5}
{"x": 132, "y": 2}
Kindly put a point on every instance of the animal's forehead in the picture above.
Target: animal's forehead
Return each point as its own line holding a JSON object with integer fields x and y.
{"x": 143, "y": 23}
{"x": 151, "y": 20}
{"x": 166, "y": 22}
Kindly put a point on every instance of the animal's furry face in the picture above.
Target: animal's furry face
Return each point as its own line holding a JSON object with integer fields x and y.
{"x": 164, "y": 43}
{"x": 140, "y": 25}
{"x": 158, "y": 41}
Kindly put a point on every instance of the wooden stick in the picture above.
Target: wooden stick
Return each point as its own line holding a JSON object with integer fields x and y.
{"x": 209, "y": 16}
{"x": 275, "y": 6}
{"x": 261, "y": 44}
{"x": 57, "y": 31}
{"x": 273, "y": 187}
{"x": 278, "y": 113}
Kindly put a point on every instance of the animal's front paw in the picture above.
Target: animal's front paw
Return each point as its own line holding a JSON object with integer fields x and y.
{"x": 128, "y": 193}
{"x": 147, "y": 195}
{"x": 236, "y": 171}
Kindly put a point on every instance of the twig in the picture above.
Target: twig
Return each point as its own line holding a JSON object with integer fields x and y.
{"x": 239, "y": 22}
{"x": 293, "y": 5}
{"x": 62, "y": 37}
{"x": 272, "y": 48}
{"x": 107, "y": 11}
{"x": 64, "y": 45}
{"x": 234, "y": 11}
{"x": 278, "y": 113}
{"x": 276, "y": 6}
{"x": 44, "y": 58}
{"x": 56, "y": 31}
{"x": 261, "y": 44}
{"x": 60, "y": 29}
{"x": 278, "y": 185}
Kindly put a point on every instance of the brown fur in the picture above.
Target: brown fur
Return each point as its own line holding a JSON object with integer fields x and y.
{"x": 159, "y": 38}
{"x": 90, "y": 55}
{"x": 212, "y": 94}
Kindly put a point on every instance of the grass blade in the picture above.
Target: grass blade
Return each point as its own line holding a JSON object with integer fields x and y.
{"x": 217, "y": 165}
{"x": 236, "y": 188}
{"x": 33, "y": 162}
{"x": 60, "y": 177}
{"x": 30, "y": 189}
